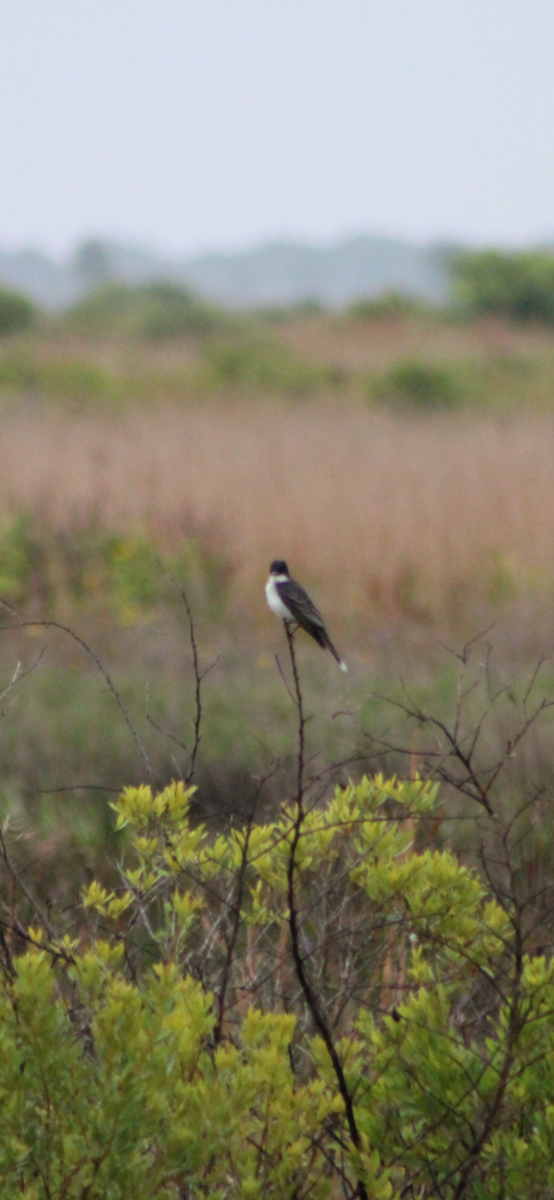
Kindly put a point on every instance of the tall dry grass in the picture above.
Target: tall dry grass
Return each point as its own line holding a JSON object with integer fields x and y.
{"x": 393, "y": 513}
{"x": 375, "y": 344}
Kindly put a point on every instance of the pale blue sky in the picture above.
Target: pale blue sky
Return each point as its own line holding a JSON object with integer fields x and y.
{"x": 196, "y": 124}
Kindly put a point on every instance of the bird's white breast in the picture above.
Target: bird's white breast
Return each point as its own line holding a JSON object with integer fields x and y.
{"x": 274, "y": 600}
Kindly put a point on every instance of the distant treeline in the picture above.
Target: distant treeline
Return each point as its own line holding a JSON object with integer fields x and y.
{"x": 518, "y": 285}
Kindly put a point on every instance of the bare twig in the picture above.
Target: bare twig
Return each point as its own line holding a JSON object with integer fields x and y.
{"x": 199, "y": 677}
{"x": 308, "y": 992}
{"x": 232, "y": 940}
{"x": 15, "y": 876}
{"x": 91, "y": 653}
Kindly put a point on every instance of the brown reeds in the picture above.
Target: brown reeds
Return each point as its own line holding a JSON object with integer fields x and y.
{"x": 394, "y": 512}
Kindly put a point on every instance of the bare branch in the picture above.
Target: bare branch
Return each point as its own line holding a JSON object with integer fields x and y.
{"x": 91, "y": 653}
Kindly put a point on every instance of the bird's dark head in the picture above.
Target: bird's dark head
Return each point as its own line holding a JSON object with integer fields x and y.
{"x": 278, "y": 567}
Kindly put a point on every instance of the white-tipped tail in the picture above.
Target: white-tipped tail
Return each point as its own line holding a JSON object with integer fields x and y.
{"x": 326, "y": 641}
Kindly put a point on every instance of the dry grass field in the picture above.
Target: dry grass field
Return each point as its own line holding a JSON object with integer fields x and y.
{"x": 362, "y": 344}
{"x": 418, "y": 517}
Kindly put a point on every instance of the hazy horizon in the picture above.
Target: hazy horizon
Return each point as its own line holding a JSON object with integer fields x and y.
{"x": 63, "y": 254}
{"x": 217, "y": 127}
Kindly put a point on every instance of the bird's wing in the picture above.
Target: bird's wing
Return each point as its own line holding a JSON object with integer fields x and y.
{"x": 302, "y": 608}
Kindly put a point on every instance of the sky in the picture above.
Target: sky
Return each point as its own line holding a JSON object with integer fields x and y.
{"x": 191, "y": 125}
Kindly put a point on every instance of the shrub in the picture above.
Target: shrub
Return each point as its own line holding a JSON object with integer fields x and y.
{"x": 108, "y": 308}
{"x": 387, "y": 304}
{"x": 417, "y": 385}
{"x": 65, "y": 379}
{"x": 16, "y": 558}
{"x": 172, "y": 311}
{"x": 90, "y": 564}
{"x": 306, "y": 1008}
{"x": 16, "y": 312}
{"x": 260, "y": 365}
{"x": 518, "y": 285}
{"x": 154, "y": 310}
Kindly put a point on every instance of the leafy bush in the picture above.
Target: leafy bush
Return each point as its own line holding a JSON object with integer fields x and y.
{"x": 94, "y": 565}
{"x": 155, "y": 310}
{"x": 387, "y": 304}
{"x": 65, "y": 379}
{"x": 518, "y": 285}
{"x": 312, "y": 1007}
{"x": 16, "y": 558}
{"x": 260, "y": 365}
{"x": 108, "y": 308}
{"x": 16, "y": 312}
{"x": 417, "y": 385}
{"x": 172, "y": 311}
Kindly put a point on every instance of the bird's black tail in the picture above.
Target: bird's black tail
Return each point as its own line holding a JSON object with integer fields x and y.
{"x": 326, "y": 641}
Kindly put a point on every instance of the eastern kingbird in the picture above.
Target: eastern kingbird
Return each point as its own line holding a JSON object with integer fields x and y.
{"x": 290, "y": 602}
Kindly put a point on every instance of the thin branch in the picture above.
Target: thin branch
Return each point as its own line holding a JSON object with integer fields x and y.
{"x": 91, "y": 653}
{"x": 306, "y": 987}
{"x": 235, "y": 926}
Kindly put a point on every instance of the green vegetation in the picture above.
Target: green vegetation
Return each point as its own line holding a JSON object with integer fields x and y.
{"x": 79, "y": 380}
{"x": 388, "y": 304}
{"x": 261, "y": 364}
{"x": 64, "y": 379}
{"x": 96, "y": 567}
{"x": 17, "y": 313}
{"x": 158, "y": 342}
{"x": 272, "y": 986}
{"x": 518, "y": 285}
{"x": 419, "y": 385}
{"x": 321, "y": 1005}
{"x": 279, "y": 988}
{"x": 154, "y": 311}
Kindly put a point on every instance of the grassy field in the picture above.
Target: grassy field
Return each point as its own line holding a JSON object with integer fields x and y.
{"x": 422, "y": 516}
{"x": 415, "y": 524}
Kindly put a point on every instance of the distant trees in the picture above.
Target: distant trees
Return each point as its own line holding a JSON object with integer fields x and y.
{"x": 92, "y": 264}
{"x": 518, "y": 285}
{"x": 16, "y": 311}
{"x": 155, "y": 310}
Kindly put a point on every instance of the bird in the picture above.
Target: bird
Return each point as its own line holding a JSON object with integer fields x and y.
{"x": 288, "y": 600}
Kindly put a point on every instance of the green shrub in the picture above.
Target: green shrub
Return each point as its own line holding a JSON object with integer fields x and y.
{"x": 108, "y": 308}
{"x": 155, "y": 310}
{"x": 130, "y": 575}
{"x": 172, "y": 311}
{"x": 16, "y": 558}
{"x": 260, "y": 365}
{"x": 76, "y": 379}
{"x": 82, "y": 380}
{"x": 65, "y": 379}
{"x": 518, "y": 285}
{"x": 418, "y": 385}
{"x": 174, "y": 1051}
{"x": 18, "y": 371}
{"x": 93, "y": 565}
{"x": 16, "y": 312}
{"x": 387, "y": 304}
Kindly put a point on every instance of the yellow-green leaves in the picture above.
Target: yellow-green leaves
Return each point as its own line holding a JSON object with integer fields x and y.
{"x": 138, "y": 807}
{"x": 174, "y": 1051}
{"x": 106, "y": 902}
